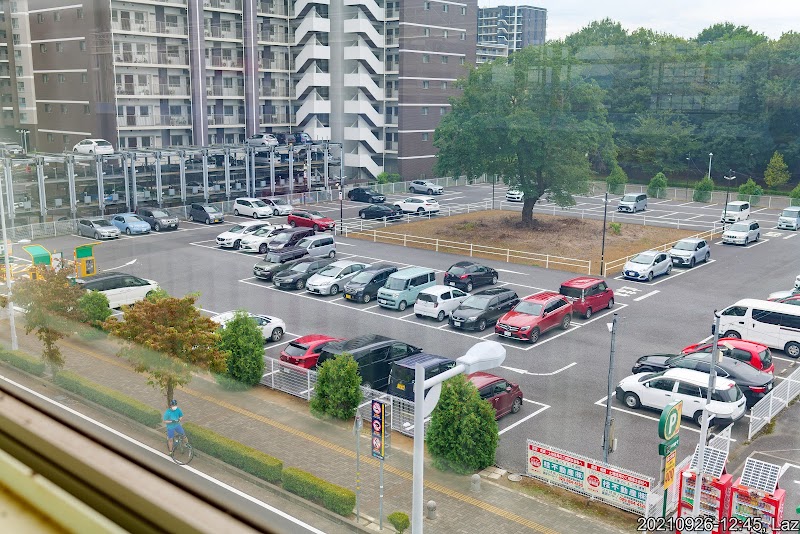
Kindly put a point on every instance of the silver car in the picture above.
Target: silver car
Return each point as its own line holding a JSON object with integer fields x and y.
{"x": 332, "y": 279}
{"x": 278, "y": 206}
{"x": 647, "y": 265}
{"x": 742, "y": 232}
{"x": 97, "y": 229}
{"x": 424, "y": 186}
{"x": 690, "y": 251}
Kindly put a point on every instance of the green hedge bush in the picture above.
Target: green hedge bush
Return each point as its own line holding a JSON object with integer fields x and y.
{"x": 108, "y": 397}
{"x": 234, "y": 453}
{"x": 335, "y": 498}
{"x": 399, "y": 521}
{"x": 616, "y": 181}
{"x": 657, "y": 188}
{"x": 23, "y": 362}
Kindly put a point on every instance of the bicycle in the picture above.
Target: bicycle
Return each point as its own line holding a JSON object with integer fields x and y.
{"x": 182, "y": 453}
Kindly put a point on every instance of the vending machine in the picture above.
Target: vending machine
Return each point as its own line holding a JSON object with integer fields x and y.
{"x": 757, "y": 499}
{"x": 715, "y": 490}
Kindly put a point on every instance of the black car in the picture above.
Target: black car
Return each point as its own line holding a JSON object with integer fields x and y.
{"x": 754, "y": 384}
{"x": 365, "y": 194}
{"x": 159, "y": 219}
{"x": 380, "y": 211}
{"x": 483, "y": 309}
{"x": 286, "y": 254}
{"x": 365, "y": 285}
{"x": 466, "y": 275}
{"x": 296, "y": 276}
{"x": 266, "y": 269}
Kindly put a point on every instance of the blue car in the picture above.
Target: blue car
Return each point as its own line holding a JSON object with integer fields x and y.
{"x": 131, "y": 223}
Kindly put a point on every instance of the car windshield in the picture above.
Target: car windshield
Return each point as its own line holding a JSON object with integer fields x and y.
{"x": 295, "y": 349}
{"x": 731, "y": 394}
{"x": 684, "y": 245}
{"x": 301, "y": 267}
{"x": 133, "y": 218}
{"x": 238, "y": 229}
{"x": 363, "y": 277}
{"x": 790, "y": 213}
{"x": 401, "y": 373}
{"x": 273, "y": 257}
{"x": 426, "y": 297}
{"x": 283, "y": 237}
{"x": 455, "y": 270}
{"x": 316, "y": 215}
{"x": 477, "y": 302}
{"x": 531, "y": 308}
{"x": 259, "y": 204}
{"x": 159, "y": 213}
{"x": 573, "y": 292}
{"x": 370, "y": 191}
{"x": 330, "y": 272}
{"x": 101, "y": 222}
{"x": 279, "y": 202}
{"x": 211, "y": 209}
{"x": 395, "y": 284}
{"x": 103, "y": 143}
{"x": 629, "y": 198}
{"x": 644, "y": 258}
{"x": 739, "y": 227}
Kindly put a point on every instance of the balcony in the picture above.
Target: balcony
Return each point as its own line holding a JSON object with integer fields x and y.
{"x": 219, "y": 90}
{"x": 365, "y": 136}
{"x": 229, "y": 5}
{"x": 275, "y": 64}
{"x": 370, "y": 6}
{"x": 312, "y": 78}
{"x": 219, "y": 62}
{"x": 153, "y": 89}
{"x": 363, "y": 161}
{"x": 276, "y": 8}
{"x": 151, "y": 58}
{"x": 215, "y": 32}
{"x": 225, "y": 120}
{"x": 274, "y": 92}
{"x": 300, "y": 6}
{"x": 273, "y": 37}
{"x": 366, "y": 109}
{"x": 312, "y": 23}
{"x": 275, "y": 118}
{"x": 149, "y": 26}
{"x": 365, "y": 81}
{"x": 364, "y": 27}
{"x": 311, "y": 51}
{"x": 312, "y": 107}
{"x": 136, "y": 121}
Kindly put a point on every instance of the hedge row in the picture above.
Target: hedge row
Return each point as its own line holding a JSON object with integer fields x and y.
{"x": 335, "y": 498}
{"x": 108, "y": 397}
{"x": 22, "y": 361}
{"x": 234, "y": 453}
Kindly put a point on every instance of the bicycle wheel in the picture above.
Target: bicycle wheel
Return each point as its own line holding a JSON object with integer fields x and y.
{"x": 182, "y": 452}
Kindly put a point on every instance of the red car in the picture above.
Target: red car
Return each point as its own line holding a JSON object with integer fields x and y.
{"x": 503, "y": 395}
{"x": 756, "y": 354}
{"x": 535, "y": 315}
{"x": 304, "y": 351}
{"x": 791, "y": 299}
{"x": 310, "y": 219}
{"x": 588, "y": 295}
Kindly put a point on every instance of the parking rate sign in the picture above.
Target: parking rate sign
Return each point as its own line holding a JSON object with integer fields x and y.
{"x": 378, "y": 429}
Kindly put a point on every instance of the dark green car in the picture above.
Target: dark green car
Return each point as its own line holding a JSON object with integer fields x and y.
{"x": 301, "y": 270}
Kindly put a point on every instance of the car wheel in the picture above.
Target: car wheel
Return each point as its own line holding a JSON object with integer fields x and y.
{"x": 588, "y": 313}
{"x": 429, "y": 191}
{"x": 792, "y": 349}
{"x": 410, "y": 189}
{"x": 691, "y": 263}
{"x": 469, "y": 286}
{"x": 420, "y": 211}
{"x": 698, "y": 417}
{"x": 128, "y": 231}
{"x": 332, "y": 254}
{"x": 237, "y": 244}
{"x": 262, "y": 248}
{"x": 566, "y": 321}
{"x": 733, "y": 334}
{"x": 402, "y": 306}
{"x": 362, "y": 215}
{"x": 300, "y": 284}
{"x": 419, "y": 315}
{"x": 650, "y": 276}
{"x": 669, "y": 268}
{"x": 708, "y": 256}
{"x": 366, "y": 298}
{"x": 191, "y": 218}
{"x": 236, "y": 212}
{"x": 277, "y": 334}
{"x": 534, "y": 336}
{"x": 758, "y": 236}
{"x": 208, "y": 220}
{"x": 157, "y": 227}
{"x": 275, "y": 213}
{"x": 610, "y": 303}
{"x": 631, "y": 400}
{"x": 316, "y": 228}
{"x": 96, "y": 235}
{"x": 482, "y": 325}
{"x": 494, "y": 279}
{"x": 255, "y": 215}
{"x": 515, "y": 408}
{"x": 334, "y": 290}
{"x": 292, "y": 224}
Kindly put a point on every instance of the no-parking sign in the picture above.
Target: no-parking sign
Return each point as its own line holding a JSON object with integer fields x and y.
{"x": 378, "y": 429}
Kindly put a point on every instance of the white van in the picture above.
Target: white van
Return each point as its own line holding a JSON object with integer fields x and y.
{"x": 774, "y": 324}
{"x": 738, "y": 210}
{"x": 790, "y": 218}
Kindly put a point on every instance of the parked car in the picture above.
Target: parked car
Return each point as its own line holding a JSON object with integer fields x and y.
{"x": 380, "y": 211}
{"x": 262, "y": 139}
{"x": 403, "y": 372}
{"x": 286, "y": 254}
{"x": 773, "y": 324}
{"x": 754, "y": 384}
{"x": 278, "y": 206}
{"x": 130, "y": 223}
{"x": 293, "y": 138}
{"x": 750, "y": 352}
{"x": 12, "y": 149}
{"x": 738, "y": 210}
{"x": 251, "y": 207}
{"x": 587, "y": 295}
{"x": 424, "y": 186}
{"x": 97, "y": 228}
{"x": 232, "y": 237}
{"x": 374, "y": 355}
{"x": 402, "y": 287}
{"x": 775, "y": 295}
{"x": 365, "y": 194}
{"x": 632, "y": 202}
{"x": 365, "y": 285}
{"x": 647, "y": 265}
{"x": 272, "y": 328}
{"x": 205, "y": 213}
{"x": 258, "y": 241}
{"x": 94, "y": 146}
{"x": 535, "y": 315}
{"x": 266, "y": 269}
{"x": 438, "y": 302}
{"x": 789, "y": 218}
{"x": 296, "y": 276}
{"x": 318, "y": 246}
{"x": 468, "y": 274}
{"x": 690, "y": 251}
{"x": 515, "y": 195}
{"x": 121, "y": 289}
{"x": 304, "y": 351}
{"x": 158, "y": 219}
{"x": 483, "y": 309}
{"x": 418, "y": 205}
{"x": 311, "y": 219}
{"x": 504, "y": 396}
{"x": 742, "y": 233}
{"x": 794, "y": 300}
{"x": 288, "y": 238}
{"x": 656, "y": 390}
{"x": 333, "y": 278}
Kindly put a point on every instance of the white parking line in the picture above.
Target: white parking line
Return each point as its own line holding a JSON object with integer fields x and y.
{"x": 756, "y": 211}
{"x": 525, "y": 372}
{"x": 666, "y": 216}
{"x": 507, "y": 271}
{"x": 658, "y": 201}
{"x": 684, "y": 204}
{"x": 783, "y": 359}
{"x": 637, "y": 299}
{"x": 601, "y": 315}
{"x": 537, "y": 412}
{"x": 671, "y": 276}
{"x": 695, "y": 217}
{"x": 602, "y": 403}
{"x": 790, "y": 236}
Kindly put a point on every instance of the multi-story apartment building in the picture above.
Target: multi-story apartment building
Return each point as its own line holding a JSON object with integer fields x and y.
{"x": 504, "y": 29}
{"x": 374, "y": 75}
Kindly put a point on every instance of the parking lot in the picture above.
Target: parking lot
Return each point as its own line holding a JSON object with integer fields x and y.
{"x": 563, "y": 375}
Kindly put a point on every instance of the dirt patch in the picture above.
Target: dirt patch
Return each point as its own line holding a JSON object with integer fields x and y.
{"x": 567, "y": 237}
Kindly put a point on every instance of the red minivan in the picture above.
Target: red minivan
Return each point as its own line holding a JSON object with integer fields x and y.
{"x": 504, "y": 396}
{"x": 304, "y": 351}
{"x": 588, "y": 294}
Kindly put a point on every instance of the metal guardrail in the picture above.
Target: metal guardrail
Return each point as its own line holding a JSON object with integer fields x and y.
{"x": 773, "y": 402}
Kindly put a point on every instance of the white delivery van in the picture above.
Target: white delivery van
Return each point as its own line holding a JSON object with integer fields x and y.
{"x": 738, "y": 210}
{"x": 773, "y": 324}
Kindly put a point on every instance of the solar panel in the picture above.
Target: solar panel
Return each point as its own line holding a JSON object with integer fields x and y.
{"x": 713, "y": 461}
{"x": 760, "y": 475}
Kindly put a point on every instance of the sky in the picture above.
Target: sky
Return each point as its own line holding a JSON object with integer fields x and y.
{"x": 684, "y": 18}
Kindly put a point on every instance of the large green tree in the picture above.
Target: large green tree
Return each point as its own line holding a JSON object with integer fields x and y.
{"x": 777, "y": 172}
{"x": 657, "y": 142}
{"x": 530, "y": 120}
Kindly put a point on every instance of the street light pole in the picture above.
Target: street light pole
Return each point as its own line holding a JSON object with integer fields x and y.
{"x": 688, "y": 161}
{"x": 607, "y": 428}
{"x": 603, "y": 246}
{"x": 710, "y": 155}
{"x": 727, "y": 193}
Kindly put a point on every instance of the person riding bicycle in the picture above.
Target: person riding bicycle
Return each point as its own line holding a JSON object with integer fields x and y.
{"x": 172, "y": 417}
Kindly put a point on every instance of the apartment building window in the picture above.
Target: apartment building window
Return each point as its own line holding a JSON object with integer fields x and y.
{"x": 444, "y": 59}
{"x": 57, "y": 16}
{"x": 463, "y": 10}
{"x": 15, "y": 23}
{"x": 427, "y": 6}
{"x": 445, "y": 8}
{"x": 84, "y": 78}
{"x": 463, "y": 60}
{"x": 82, "y": 46}
{"x": 426, "y": 32}
{"x": 79, "y": 12}
{"x": 23, "y": 103}
{"x": 19, "y": 71}
{"x": 40, "y": 18}
{"x": 15, "y": 38}
{"x": 43, "y": 48}
{"x": 463, "y": 36}
{"x": 444, "y": 86}
{"x": 175, "y": 111}
{"x": 87, "y": 110}
{"x": 20, "y": 86}
{"x": 59, "y": 47}
{"x": 174, "y": 81}
{"x": 426, "y": 58}
{"x": 45, "y": 78}
{"x": 424, "y": 110}
{"x": 65, "y": 138}
{"x": 426, "y": 84}
{"x": 145, "y": 141}
{"x": 63, "y": 109}
{"x": 445, "y": 34}
{"x": 13, "y": 7}
{"x": 62, "y": 78}
{"x": 425, "y": 136}
{"x": 442, "y": 110}
{"x": 176, "y": 140}
{"x": 23, "y": 117}
{"x": 48, "y": 108}
{"x": 228, "y": 111}
{"x": 51, "y": 138}
{"x": 17, "y": 53}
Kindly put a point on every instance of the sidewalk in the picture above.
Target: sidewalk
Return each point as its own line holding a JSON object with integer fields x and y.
{"x": 281, "y": 426}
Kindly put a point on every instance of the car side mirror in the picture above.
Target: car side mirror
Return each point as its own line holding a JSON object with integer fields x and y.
{"x": 508, "y": 389}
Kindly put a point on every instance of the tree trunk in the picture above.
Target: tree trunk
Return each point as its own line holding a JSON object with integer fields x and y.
{"x": 527, "y": 210}
{"x": 170, "y": 391}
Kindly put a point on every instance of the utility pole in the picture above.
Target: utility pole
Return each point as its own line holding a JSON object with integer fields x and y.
{"x": 612, "y": 326}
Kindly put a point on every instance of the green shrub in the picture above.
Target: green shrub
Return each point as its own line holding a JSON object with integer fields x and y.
{"x": 337, "y": 392}
{"x": 234, "y": 453}
{"x": 795, "y": 195}
{"x": 658, "y": 186}
{"x": 616, "y": 181}
{"x": 23, "y": 362}
{"x": 157, "y": 294}
{"x": 703, "y": 189}
{"x": 334, "y": 498}
{"x": 615, "y": 227}
{"x": 243, "y": 340}
{"x": 94, "y": 306}
{"x": 399, "y": 521}
{"x": 750, "y": 191}
{"x": 387, "y": 178}
{"x": 108, "y": 397}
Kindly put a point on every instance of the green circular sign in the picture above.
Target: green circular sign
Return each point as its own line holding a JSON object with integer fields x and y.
{"x": 670, "y": 422}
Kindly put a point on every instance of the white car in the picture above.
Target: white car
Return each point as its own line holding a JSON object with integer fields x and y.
{"x": 263, "y": 139}
{"x": 424, "y": 186}
{"x": 438, "y": 302}
{"x": 690, "y": 251}
{"x": 514, "y": 195}
{"x": 332, "y": 279}
{"x": 418, "y": 205}
{"x": 94, "y": 146}
{"x": 121, "y": 289}
{"x": 647, "y": 265}
{"x": 258, "y": 241}
{"x": 271, "y": 327}
{"x": 278, "y": 206}
{"x": 741, "y": 233}
{"x": 232, "y": 238}
{"x": 251, "y": 207}
{"x": 656, "y": 390}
